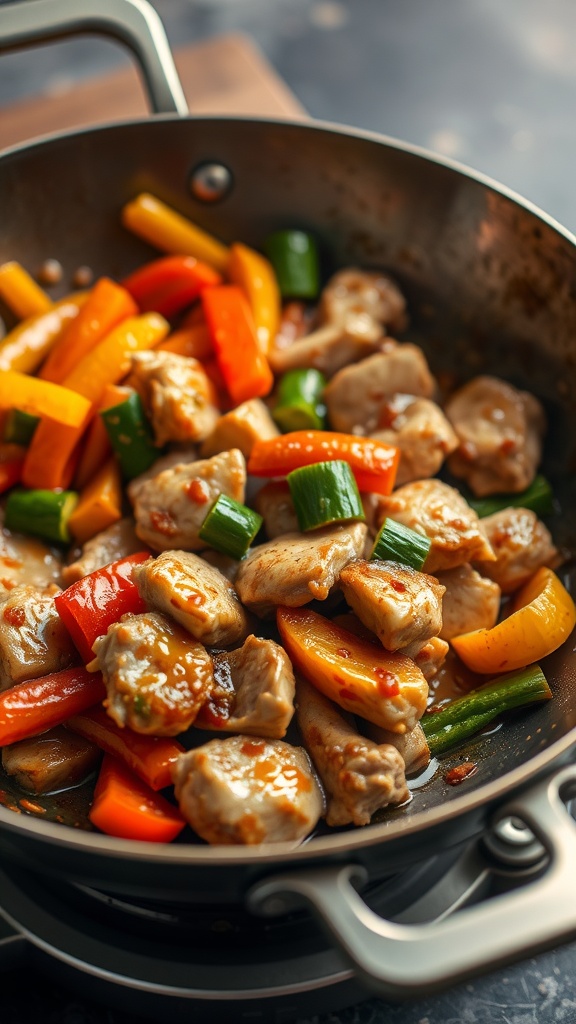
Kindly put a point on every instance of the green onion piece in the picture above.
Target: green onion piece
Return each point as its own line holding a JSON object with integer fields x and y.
{"x": 398, "y": 543}
{"x": 324, "y": 493}
{"x": 20, "y": 426}
{"x": 131, "y": 436}
{"x": 230, "y": 527}
{"x": 294, "y": 256}
{"x": 538, "y": 497}
{"x": 299, "y": 405}
{"x": 465, "y": 716}
{"x": 42, "y": 513}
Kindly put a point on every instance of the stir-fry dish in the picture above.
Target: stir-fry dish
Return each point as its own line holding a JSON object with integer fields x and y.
{"x": 244, "y": 532}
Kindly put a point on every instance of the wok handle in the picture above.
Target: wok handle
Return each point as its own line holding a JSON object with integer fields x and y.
{"x": 413, "y": 959}
{"x": 133, "y": 22}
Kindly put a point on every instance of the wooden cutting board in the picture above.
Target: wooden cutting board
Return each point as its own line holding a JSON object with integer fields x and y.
{"x": 224, "y": 75}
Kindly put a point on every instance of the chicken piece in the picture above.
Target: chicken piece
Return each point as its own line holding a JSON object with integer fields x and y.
{"x": 412, "y": 746}
{"x": 471, "y": 601}
{"x": 419, "y": 428}
{"x": 401, "y": 606}
{"x": 171, "y": 508}
{"x": 275, "y": 505}
{"x": 194, "y": 593}
{"x": 108, "y": 546}
{"x": 225, "y": 564}
{"x": 297, "y": 568}
{"x": 356, "y": 395}
{"x": 57, "y": 759}
{"x": 431, "y": 657}
{"x": 33, "y": 639}
{"x": 370, "y": 292}
{"x": 521, "y": 543}
{"x": 25, "y": 559}
{"x": 156, "y": 675}
{"x": 253, "y": 692}
{"x": 359, "y": 776}
{"x": 500, "y": 431}
{"x": 177, "y": 395}
{"x": 241, "y": 428}
{"x": 240, "y": 790}
{"x": 182, "y": 455}
{"x": 439, "y": 512}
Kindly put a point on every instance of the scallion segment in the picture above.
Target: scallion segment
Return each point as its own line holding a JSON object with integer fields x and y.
{"x": 42, "y": 513}
{"x": 20, "y": 426}
{"x": 230, "y": 527}
{"x": 131, "y": 436}
{"x": 294, "y": 256}
{"x": 466, "y": 716}
{"x": 324, "y": 493}
{"x": 299, "y": 401}
{"x": 398, "y": 543}
{"x": 538, "y": 497}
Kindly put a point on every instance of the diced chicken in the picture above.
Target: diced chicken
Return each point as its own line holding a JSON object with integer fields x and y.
{"x": 297, "y": 568}
{"x": 401, "y": 606}
{"x": 171, "y": 508}
{"x": 177, "y": 395}
{"x": 521, "y": 543}
{"x": 359, "y": 776}
{"x": 156, "y": 675}
{"x": 246, "y": 791}
{"x": 253, "y": 692}
{"x": 24, "y": 559}
{"x": 181, "y": 455}
{"x": 471, "y": 601}
{"x": 33, "y": 639}
{"x": 419, "y": 428}
{"x": 197, "y": 595}
{"x": 241, "y": 428}
{"x": 412, "y": 746}
{"x": 500, "y": 432}
{"x": 108, "y": 546}
{"x": 356, "y": 395}
{"x": 275, "y": 505}
{"x": 431, "y": 657}
{"x": 295, "y": 321}
{"x": 370, "y": 292}
{"x": 439, "y": 512}
{"x": 224, "y": 563}
{"x": 57, "y": 759}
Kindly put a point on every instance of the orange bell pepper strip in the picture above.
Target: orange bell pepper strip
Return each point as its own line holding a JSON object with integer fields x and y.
{"x": 542, "y": 618}
{"x": 107, "y": 304}
{"x": 99, "y": 505}
{"x": 42, "y": 398}
{"x": 160, "y": 225}
{"x": 374, "y": 464}
{"x": 36, "y": 705}
{"x": 193, "y": 341}
{"x": 96, "y": 447}
{"x": 123, "y": 806}
{"x": 21, "y": 292}
{"x": 244, "y": 367}
{"x": 170, "y": 284}
{"x": 52, "y": 456}
{"x": 27, "y": 345}
{"x": 11, "y": 464}
{"x": 255, "y": 275}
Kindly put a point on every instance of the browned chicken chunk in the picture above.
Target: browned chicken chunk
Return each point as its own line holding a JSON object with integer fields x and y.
{"x": 275, "y": 505}
{"x": 243, "y": 790}
{"x": 27, "y": 560}
{"x": 373, "y": 293}
{"x": 177, "y": 395}
{"x": 57, "y": 759}
{"x": 419, "y": 428}
{"x": 412, "y": 746}
{"x": 521, "y": 543}
{"x": 431, "y": 657}
{"x": 471, "y": 601}
{"x": 182, "y": 454}
{"x": 108, "y": 546}
{"x": 241, "y": 428}
{"x": 33, "y": 639}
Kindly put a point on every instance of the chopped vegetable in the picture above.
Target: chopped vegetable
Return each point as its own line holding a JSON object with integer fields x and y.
{"x": 192, "y": 341}
{"x": 99, "y": 504}
{"x": 149, "y": 757}
{"x": 42, "y": 398}
{"x": 24, "y": 347}
{"x": 53, "y": 454}
{"x": 42, "y": 513}
{"x": 159, "y": 224}
{"x": 244, "y": 367}
{"x": 20, "y": 426}
{"x": 11, "y": 465}
{"x": 131, "y": 436}
{"x": 324, "y": 493}
{"x": 294, "y": 256}
{"x": 230, "y": 527}
{"x": 96, "y": 448}
{"x": 398, "y": 543}
{"x": 538, "y": 496}
{"x": 256, "y": 277}
{"x": 299, "y": 401}
{"x": 124, "y": 806}
{"x": 31, "y": 708}
{"x": 170, "y": 284}
{"x": 21, "y": 292}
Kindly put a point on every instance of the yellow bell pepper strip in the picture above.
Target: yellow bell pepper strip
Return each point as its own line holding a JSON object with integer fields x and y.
{"x": 243, "y": 365}
{"x": 99, "y": 505}
{"x": 27, "y": 345}
{"x": 543, "y": 617}
{"x": 53, "y": 454}
{"x": 42, "y": 398}
{"x": 160, "y": 225}
{"x": 170, "y": 284}
{"x": 21, "y": 292}
{"x": 255, "y": 275}
{"x": 106, "y": 306}
{"x": 97, "y": 448}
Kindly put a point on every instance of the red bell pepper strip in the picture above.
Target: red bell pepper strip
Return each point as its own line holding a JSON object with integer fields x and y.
{"x": 374, "y": 464}
{"x": 243, "y": 365}
{"x": 149, "y": 757}
{"x": 169, "y": 284}
{"x": 36, "y": 705}
{"x": 123, "y": 806}
{"x": 89, "y": 606}
{"x": 11, "y": 470}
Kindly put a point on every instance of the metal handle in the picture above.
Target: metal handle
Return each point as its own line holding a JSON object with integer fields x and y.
{"x": 133, "y": 22}
{"x": 399, "y": 959}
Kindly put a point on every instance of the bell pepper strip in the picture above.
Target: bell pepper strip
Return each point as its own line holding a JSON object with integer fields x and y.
{"x": 96, "y": 447}
{"x": 170, "y": 284}
{"x": 374, "y": 464}
{"x": 107, "y": 305}
{"x": 125, "y": 807}
{"x": 383, "y": 687}
{"x": 26, "y": 346}
{"x": 11, "y": 469}
{"x": 149, "y": 757}
{"x": 193, "y": 341}
{"x": 90, "y": 605}
{"x": 543, "y": 616}
{"x": 243, "y": 365}
{"x": 37, "y": 705}
{"x": 324, "y": 493}
{"x": 99, "y": 504}
{"x": 21, "y": 292}
{"x": 41, "y": 513}
{"x": 538, "y": 497}
{"x": 42, "y": 398}
{"x": 255, "y": 276}
{"x": 19, "y": 427}
{"x": 131, "y": 436}
{"x": 294, "y": 256}
{"x": 160, "y": 225}
{"x": 53, "y": 454}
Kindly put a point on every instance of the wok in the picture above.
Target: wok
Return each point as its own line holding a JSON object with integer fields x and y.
{"x": 491, "y": 285}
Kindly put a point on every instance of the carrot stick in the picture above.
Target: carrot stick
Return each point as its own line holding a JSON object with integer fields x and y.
{"x": 191, "y": 341}
{"x": 244, "y": 366}
{"x": 53, "y": 454}
{"x": 27, "y": 344}
{"x": 100, "y": 503}
{"x": 97, "y": 448}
